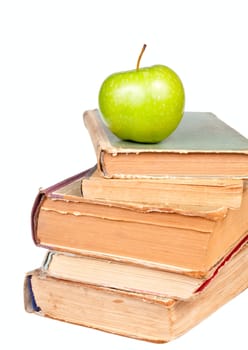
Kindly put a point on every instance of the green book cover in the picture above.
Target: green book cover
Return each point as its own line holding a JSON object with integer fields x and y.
{"x": 197, "y": 132}
{"x": 201, "y": 145}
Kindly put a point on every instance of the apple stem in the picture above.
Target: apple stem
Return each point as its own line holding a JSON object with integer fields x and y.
{"x": 140, "y": 55}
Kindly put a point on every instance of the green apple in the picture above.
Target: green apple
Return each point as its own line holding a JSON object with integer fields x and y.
{"x": 142, "y": 105}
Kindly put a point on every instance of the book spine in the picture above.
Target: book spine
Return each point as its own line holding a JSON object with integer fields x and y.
{"x": 43, "y": 193}
{"x": 29, "y": 297}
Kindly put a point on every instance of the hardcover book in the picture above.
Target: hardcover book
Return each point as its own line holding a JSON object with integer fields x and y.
{"x": 202, "y": 145}
{"x": 192, "y": 240}
{"x": 165, "y": 192}
{"x": 131, "y": 277}
{"x": 137, "y": 315}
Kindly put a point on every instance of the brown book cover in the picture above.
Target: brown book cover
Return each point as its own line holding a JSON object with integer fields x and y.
{"x": 182, "y": 238}
{"x": 137, "y": 315}
{"x": 202, "y": 145}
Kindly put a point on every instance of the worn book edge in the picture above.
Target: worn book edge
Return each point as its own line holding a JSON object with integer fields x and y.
{"x": 32, "y": 306}
{"x": 198, "y": 133}
{"x": 97, "y": 187}
{"x": 43, "y": 192}
{"x": 202, "y": 284}
{"x": 182, "y": 315}
{"x": 54, "y": 192}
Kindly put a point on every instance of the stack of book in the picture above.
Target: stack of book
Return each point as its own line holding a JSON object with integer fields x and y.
{"x": 151, "y": 240}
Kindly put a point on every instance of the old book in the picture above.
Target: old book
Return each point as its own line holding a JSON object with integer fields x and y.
{"x": 192, "y": 240}
{"x": 130, "y": 277}
{"x": 137, "y": 315}
{"x": 202, "y": 145}
{"x": 198, "y": 191}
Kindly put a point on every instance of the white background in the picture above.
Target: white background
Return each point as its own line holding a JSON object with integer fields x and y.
{"x": 53, "y": 57}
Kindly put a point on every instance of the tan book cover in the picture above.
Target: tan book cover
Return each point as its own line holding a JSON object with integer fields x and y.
{"x": 183, "y": 238}
{"x": 165, "y": 192}
{"x": 136, "y": 315}
{"x": 202, "y": 145}
{"x": 131, "y": 277}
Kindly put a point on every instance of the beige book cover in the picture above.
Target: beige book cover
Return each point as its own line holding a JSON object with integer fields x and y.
{"x": 190, "y": 239}
{"x": 135, "y": 315}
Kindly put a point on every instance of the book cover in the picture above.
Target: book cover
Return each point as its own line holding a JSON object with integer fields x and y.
{"x": 165, "y": 192}
{"x": 130, "y": 277}
{"x": 181, "y": 238}
{"x": 137, "y": 315}
{"x": 202, "y": 145}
